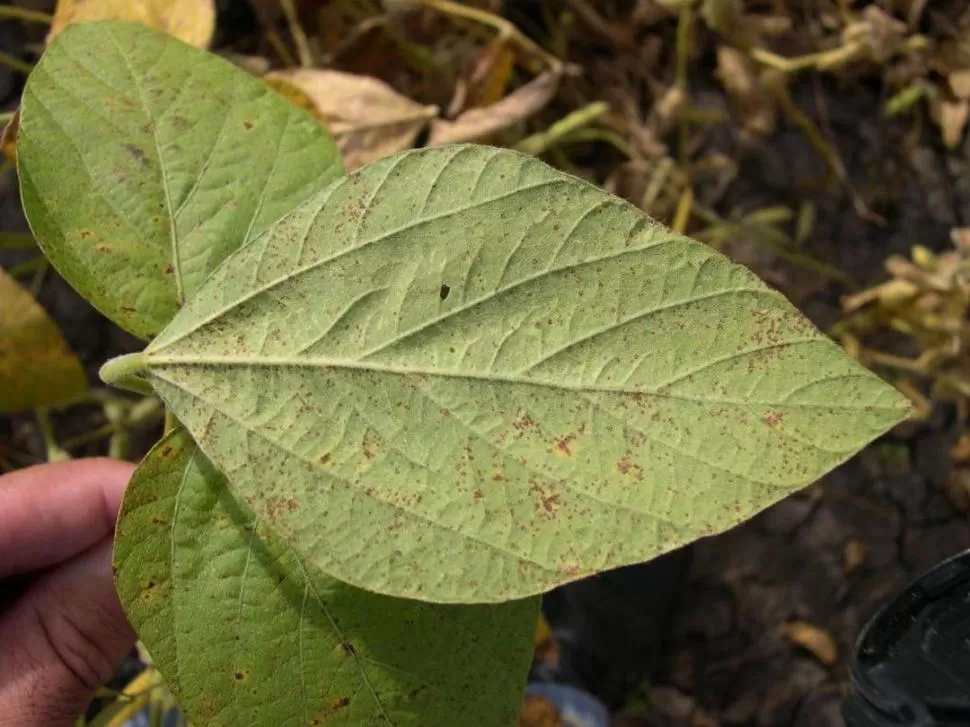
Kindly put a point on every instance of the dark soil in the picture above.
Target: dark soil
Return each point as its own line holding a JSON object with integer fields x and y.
{"x": 829, "y": 556}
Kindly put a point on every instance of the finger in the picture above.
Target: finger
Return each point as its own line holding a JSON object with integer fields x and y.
{"x": 51, "y": 512}
{"x": 61, "y": 640}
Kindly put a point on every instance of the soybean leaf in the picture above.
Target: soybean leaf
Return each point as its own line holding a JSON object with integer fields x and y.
{"x": 461, "y": 375}
{"x": 246, "y": 633}
{"x": 36, "y": 366}
{"x": 192, "y": 21}
{"x": 144, "y": 162}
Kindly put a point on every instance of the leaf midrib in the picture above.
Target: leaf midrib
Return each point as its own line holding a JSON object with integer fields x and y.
{"x": 160, "y": 361}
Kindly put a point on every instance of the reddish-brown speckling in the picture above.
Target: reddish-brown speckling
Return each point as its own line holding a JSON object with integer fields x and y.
{"x": 478, "y": 495}
{"x": 524, "y": 421}
{"x": 325, "y": 714}
{"x": 169, "y": 269}
{"x": 547, "y": 502}
{"x": 325, "y": 458}
{"x": 564, "y": 445}
{"x": 623, "y": 465}
{"x": 498, "y": 476}
{"x": 247, "y": 125}
{"x": 773, "y": 418}
{"x": 445, "y": 412}
{"x": 103, "y": 248}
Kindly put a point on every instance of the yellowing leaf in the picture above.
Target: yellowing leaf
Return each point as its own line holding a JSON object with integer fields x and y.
{"x": 247, "y": 633}
{"x": 36, "y": 366}
{"x": 144, "y": 161}
{"x": 190, "y": 20}
{"x": 369, "y": 119}
{"x": 460, "y": 375}
{"x": 477, "y": 123}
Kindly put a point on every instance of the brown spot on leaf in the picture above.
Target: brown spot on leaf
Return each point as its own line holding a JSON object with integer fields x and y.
{"x": 247, "y": 125}
{"x": 773, "y": 418}
{"x": 523, "y": 421}
{"x": 169, "y": 269}
{"x": 564, "y": 445}
{"x": 137, "y": 154}
{"x": 348, "y": 648}
{"x": 325, "y": 458}
{"x": 326, "y": 713}
{"x": 547, "y": 502}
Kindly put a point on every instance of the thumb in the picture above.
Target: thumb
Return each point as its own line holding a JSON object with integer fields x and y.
{"x": 61, "y": 640}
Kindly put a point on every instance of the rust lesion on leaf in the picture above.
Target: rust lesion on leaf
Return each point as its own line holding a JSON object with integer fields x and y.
{"x": 326, "y": 713}
{"x": 524, "y": 421}
{"x": 564, "y": 445}
{"x": 773, "y": 418}
{"x": 547, "y": 501}
{"x": 138, "y": 155}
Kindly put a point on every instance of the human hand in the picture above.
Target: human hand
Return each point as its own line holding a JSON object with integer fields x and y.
{"x": 62, "y": 629}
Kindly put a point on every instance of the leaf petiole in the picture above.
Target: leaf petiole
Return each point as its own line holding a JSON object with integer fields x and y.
{"x": 123, "y": 372}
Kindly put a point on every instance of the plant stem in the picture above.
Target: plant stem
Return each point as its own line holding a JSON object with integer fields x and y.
{"x": 17, "y": 241}
{"x": 29, "y": 16}
{"x": 299, "y": 37}
{"x": 483, "y": 17}
{"x": 15, "y": 63}
{"x": 55, "y": 453}
{"x": 559, "y": 131}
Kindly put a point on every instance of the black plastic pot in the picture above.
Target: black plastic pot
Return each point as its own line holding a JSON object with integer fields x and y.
{"x": 610, "y": 628}
{"x": 912, "y": 661}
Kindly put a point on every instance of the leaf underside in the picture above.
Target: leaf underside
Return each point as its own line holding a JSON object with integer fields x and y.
{"x": 144, "y": 162}
{"x": 462, "y": 376}
{"x": 245, "y": 633}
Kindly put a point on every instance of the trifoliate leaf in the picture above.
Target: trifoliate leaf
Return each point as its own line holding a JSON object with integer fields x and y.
{"x": 144, "y": 161}
{"x": 246, "y": 633}
{"x": 461, "y": 375}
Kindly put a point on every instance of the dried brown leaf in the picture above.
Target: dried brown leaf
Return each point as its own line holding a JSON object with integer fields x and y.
{"x": 8, "y": 137}
{"x": 36, "y": 366}
{"x": 951, "y": 116}
{"x": 192, "y": 21}
{"x": 539, "y": 712}
{"x": 517, "y": 106}
{"x": 815, "y": 640}
{"x": 959, "y": 82}
{"x": 368, "y": 118}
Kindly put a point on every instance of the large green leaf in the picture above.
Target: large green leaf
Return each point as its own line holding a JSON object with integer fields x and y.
{"x": 461, "y": 375}
{"x": 245, "y": 633}
{"x": 144, "y": 162}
